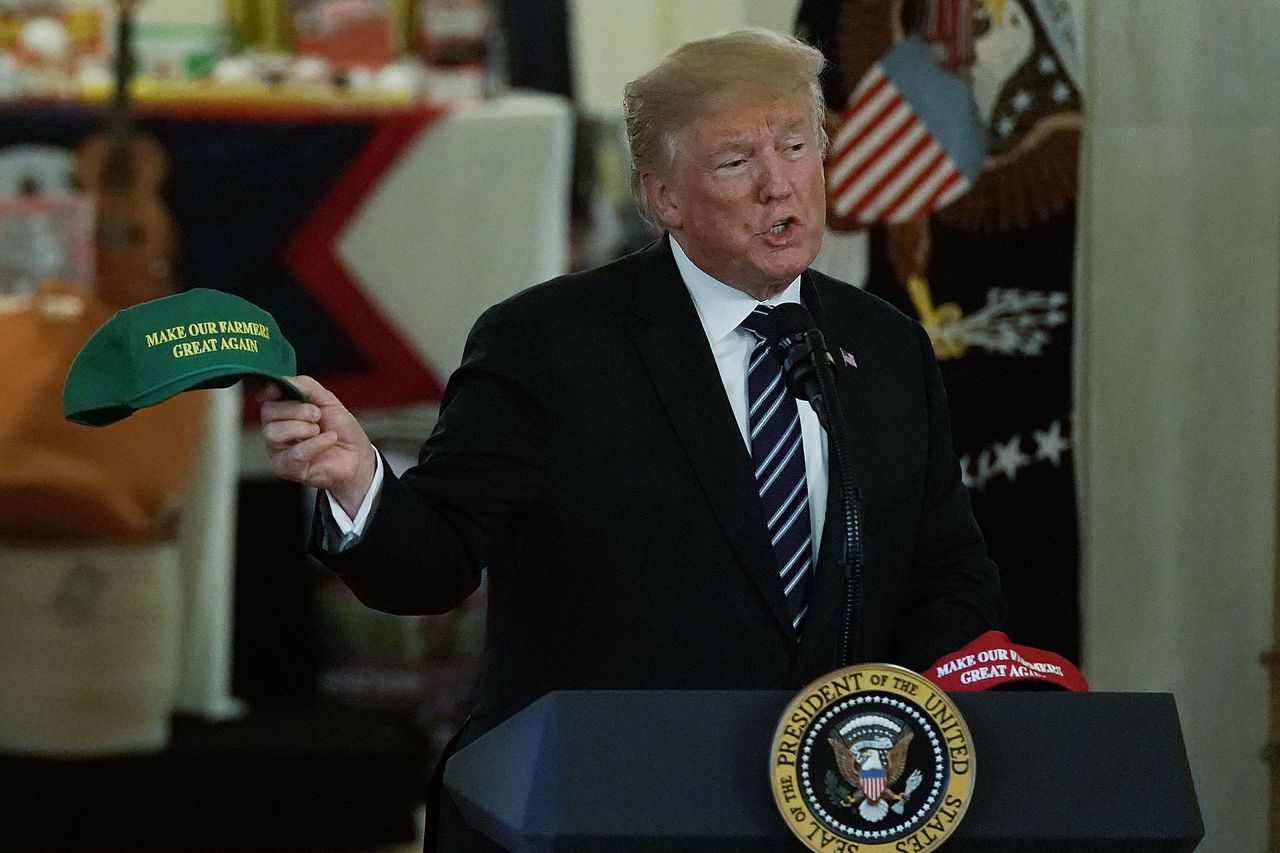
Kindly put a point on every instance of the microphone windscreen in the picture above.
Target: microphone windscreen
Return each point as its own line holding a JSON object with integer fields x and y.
{"x": 789, "y": 319}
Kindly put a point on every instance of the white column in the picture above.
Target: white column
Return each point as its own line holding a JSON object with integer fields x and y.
{"x": 1178, "y": 276}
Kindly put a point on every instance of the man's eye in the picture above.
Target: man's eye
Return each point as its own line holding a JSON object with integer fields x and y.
{"x": 730, "y": 164}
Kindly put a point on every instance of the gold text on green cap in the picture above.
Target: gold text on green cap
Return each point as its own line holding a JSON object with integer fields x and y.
{"x": 231, "y": 334}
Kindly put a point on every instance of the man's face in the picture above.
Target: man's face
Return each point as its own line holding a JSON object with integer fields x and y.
{"x": 744, "y": 196}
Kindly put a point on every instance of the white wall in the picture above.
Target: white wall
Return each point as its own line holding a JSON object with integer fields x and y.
{"x": 615, "y": 41}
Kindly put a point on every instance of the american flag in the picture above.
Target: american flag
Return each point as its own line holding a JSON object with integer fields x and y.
{"x": 949, "y": 23}
{"x": 872, "y": 781}
{"x": 909, "y": 142}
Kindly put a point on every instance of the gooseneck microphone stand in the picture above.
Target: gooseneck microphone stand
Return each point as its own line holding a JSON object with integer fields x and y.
{"x": 808, "y": 368}
{"x": 845, "y": 477}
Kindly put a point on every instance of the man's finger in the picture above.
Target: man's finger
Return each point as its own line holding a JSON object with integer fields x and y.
{"x": 308, "y": 449}
{"x": 289, "y": 410}
{"x": 295, "y": 463}
{"x": 278, "y": 435}
{"x": 316, "y": 393}
{"x": 261, "y": 390}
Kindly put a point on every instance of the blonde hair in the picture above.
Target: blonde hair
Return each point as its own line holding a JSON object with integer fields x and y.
{"x": 662, "y": 102}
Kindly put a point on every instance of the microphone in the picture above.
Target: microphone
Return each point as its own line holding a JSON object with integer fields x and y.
{"x": 807, "y": 366}
{"x": 796, "y": 342}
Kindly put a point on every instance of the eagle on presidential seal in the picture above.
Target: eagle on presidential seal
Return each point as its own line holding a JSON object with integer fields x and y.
{"x": 871, "y": 755}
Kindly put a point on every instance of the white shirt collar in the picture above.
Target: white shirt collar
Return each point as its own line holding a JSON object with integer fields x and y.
{"x": 720, "y": 307}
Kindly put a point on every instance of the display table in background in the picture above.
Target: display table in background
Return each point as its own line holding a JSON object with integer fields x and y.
{"x": 375, "y": 238}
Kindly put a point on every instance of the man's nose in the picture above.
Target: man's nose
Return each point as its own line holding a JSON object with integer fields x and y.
{"x": 775, "y": 178}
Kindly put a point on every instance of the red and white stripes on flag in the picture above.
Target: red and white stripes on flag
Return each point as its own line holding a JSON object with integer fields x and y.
{"x": 872, "y": 781}
{"x": 950, "y": 23}
{"x": 885, "y": 165}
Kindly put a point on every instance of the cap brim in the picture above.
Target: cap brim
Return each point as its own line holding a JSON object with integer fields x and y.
{"x": 210, "y": 377}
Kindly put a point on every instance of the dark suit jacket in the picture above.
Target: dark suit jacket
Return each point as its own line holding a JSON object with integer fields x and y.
{"x": 587, "y": 457}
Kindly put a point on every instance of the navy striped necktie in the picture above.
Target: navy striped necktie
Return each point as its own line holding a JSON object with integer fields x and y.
{"x": 778, "y": 456}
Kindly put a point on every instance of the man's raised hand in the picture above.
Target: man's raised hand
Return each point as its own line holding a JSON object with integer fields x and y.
{"x": 317, "y": 443}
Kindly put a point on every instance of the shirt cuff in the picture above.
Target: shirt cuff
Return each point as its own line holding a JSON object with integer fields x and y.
{"x": 351, "y": 529}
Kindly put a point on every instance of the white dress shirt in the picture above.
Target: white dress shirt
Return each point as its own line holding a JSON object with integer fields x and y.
{"x": 721, "y": 309}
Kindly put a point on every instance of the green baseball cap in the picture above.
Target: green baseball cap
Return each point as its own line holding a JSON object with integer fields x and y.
{"x": 145, "y": 354}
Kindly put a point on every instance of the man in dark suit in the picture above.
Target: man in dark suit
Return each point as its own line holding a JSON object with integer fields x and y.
{"x": 650, "y": 504}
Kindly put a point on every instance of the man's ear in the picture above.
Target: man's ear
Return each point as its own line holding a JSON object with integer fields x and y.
{"x": 663, "y": 200}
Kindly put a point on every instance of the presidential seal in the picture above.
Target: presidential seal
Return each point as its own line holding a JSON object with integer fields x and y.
{"x": 872, "y": 758}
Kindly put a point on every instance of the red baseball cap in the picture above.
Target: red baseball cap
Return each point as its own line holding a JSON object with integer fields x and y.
{"x": 992, "y": 660}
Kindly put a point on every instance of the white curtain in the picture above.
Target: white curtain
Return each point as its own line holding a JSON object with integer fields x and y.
{"x": 1177, "y": 280}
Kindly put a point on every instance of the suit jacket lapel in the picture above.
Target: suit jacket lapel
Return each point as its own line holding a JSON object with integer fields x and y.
{"x": 673, "y": 345}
